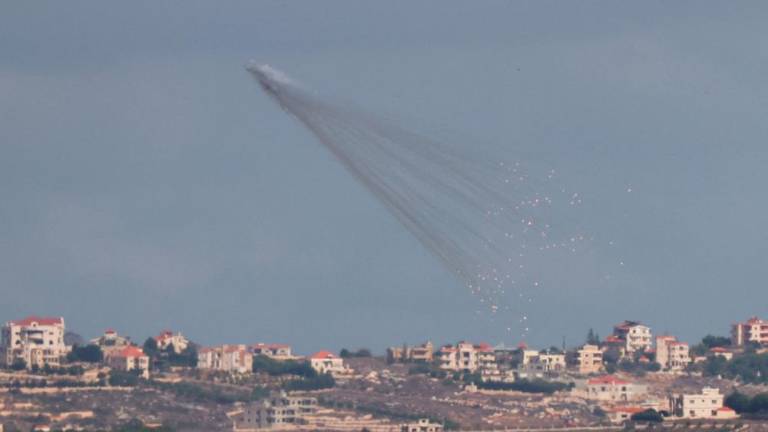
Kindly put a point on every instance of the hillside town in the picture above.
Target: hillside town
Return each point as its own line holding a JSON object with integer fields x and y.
{"x": 55, "y": 380}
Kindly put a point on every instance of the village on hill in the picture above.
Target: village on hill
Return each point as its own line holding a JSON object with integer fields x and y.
{"x": 53, "y": 380}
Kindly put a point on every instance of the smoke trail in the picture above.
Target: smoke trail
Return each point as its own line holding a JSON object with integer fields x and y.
{"x": 479, "y": 217}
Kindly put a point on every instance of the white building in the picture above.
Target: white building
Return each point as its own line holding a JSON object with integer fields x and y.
{"x": 590, "y": 359}
{"x": 127, "y": 359}
{"x": 707, "y": 405}
{"x": 275, "y": 351}
{"x": 111, "y": 341}
{"x": 753, "y": 330}
{"x": 279, "y": 411}
{"x": 37, "y": 341}
{"x": 167, "y": 338}
{"x": 672, "y": 354}
{"x": 228, "y": 358}
{"x": 636, "y": 336}
{"x": 611, "y": 388}
{"x": 422, "y": 425}
{"x": 543, "y": 362}
{"x": 327, "y": 362}
{"x": 466, "y": 357}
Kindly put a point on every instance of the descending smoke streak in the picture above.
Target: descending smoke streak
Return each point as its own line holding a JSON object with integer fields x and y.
{"x": 479, "y": 217}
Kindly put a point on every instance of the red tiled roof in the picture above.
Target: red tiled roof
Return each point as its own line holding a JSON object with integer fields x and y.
{"x": 109, "y": 331}
{"x": 322, "y": 355}
{"x": 484, "y": 347}
{"x": 725, "y": 408}
{"x": 39, "y": 320}
{"x": 718, "y": 350}
{"x": 608, "y": 379}
{"x": 130, "y": 351}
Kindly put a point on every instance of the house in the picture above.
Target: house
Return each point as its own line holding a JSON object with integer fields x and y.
{"x": 754, "y": 330}
{"x": 167, "y": 338}
{"x": 466, "y": 357}
{"x": 326, "y": 362}
{"x": 590, "y": 359}
{"x": 228, "y": 358}
{"x": 721, "y": 352}
{"x": 127, "y": 359}
{"x": 671, "y": 354}
{"x": 274, "y": 351}
{"x": 35, "y": 341}
{"x": 422, "y": 425}
{"x": 418, "y": 353}
{"x": 611, "y": 388}
{"x": 110, "y": 340}
{"x": 634, "y": 335}
{"x": 621, "y": 414}
{"x": 706, "y": 405}
{"x": 543, "y": 362}
{"x": 278, "y": 411}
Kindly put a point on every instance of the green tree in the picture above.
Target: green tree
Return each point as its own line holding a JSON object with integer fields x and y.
{"x": 738, "y": 401}
{"x": 88, "y": 353}
{"x": 593, "y": 338}
{"x": 649, "y": 415}
{"x": 18, "y": 364}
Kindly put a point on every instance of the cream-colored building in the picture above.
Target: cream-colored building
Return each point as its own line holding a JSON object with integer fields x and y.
{"x": 422, "y": 425}
{"x": 611, "y": 388}
{"x": 327, "y": 362}
{"x": 706, "y": 405}
{"x": 228, "y": 358}
{"x": 672, "y": 354}
{"x": 419, "y": 353}
{"x": 111, "y": 341}
{"x": 274, "y": 351}
{"x": 721, "y": 352}
{"x": 621, "y": 414}
{"x": 279, "y": 411}
{"x": 543, "y": 362}
{"x": 636, "y": 336}
{"x": 590, "y": 359}
{"x": 754, "y": 330}
{"x": 167, "y": 338}
{"x": 467, "y": 357}
{"x": 37, "y": 341}
{"x": 127, "y": 359}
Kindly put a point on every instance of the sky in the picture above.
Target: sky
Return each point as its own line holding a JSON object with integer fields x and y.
{"x": 147, "y": 183}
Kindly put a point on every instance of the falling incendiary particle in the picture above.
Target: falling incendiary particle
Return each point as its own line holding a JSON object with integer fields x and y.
{"x": 473, "y": 213}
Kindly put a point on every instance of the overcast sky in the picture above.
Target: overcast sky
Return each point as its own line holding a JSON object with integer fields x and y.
{"x": 147, "y": 183}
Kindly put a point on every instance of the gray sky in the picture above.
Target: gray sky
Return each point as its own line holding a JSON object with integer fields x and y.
{"x": 146, "y": 182}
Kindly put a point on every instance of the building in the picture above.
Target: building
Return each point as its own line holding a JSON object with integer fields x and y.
{"x": 543, "y": 362}
{"x": 671, "y": 354}
{"x": 127, "y": 359}
{"x": 634, "y": 335}
{"x": 166, "y": 339}
{"x": 706, "y": 405}
{"x": 721, "y": 352}
{"x": 277, "y": 411}
{"x": 423, "y": 425}
{"x": 466, "y": 357}
{"x": 274, "y": 351}
{"x": 590, "y": 359}
{"x": 110, "y": 340}
{"x": 228, "y": 358}
{"x": 419, "y": 353}
{"x": 37, "y": 341}
{"x": 327, "y": 362}
{"x": 754, "y": 330}
{"x": 621, "y": 414}
{"x": 611, "y": 388}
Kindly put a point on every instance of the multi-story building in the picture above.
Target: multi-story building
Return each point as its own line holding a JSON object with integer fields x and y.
{"x": 672, "y": 354}
{"x": 127, "y": 359}
{"x": 167, "y": 338}
{"x": 422, "y": 425}
{"x": 590, "y": 359}
{"x": 277, "y": 411}
{"x": 36, "y": 341}
{"x": 228, "y": 358}
{"x": 543, "y": 362}
{"x": 275, "y": 351}
{"x": 636, "y": 336}
{"x": 753, "y": 330}
{"x": 467, "y": 357}
{"x": 327, "y": 362}
{"x": 611, "y": 388}
{"x": 111, "y": 341}
{"x": 419, "y": 353}
{"x": 708, "y": 404}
